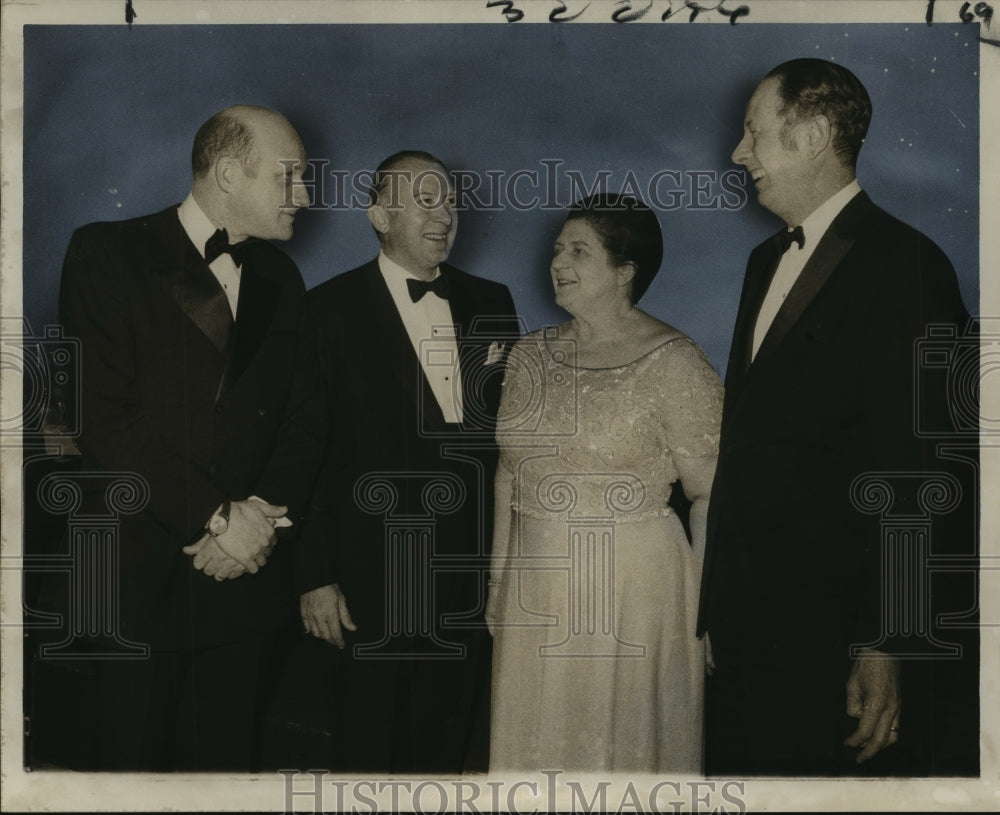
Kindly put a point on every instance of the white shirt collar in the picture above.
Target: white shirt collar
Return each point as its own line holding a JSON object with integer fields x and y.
{"x": 195, "y": 222}
{"x": 390, "y": 267}
{"x": 819, "y": 220}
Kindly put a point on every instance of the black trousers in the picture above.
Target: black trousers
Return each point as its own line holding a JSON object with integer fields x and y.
{"x": 178, "y": 710}
{"x": 413, "y": 714}
{"x": 759, "y": 722}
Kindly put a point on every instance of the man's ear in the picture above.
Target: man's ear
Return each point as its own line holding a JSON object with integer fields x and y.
{"x": 819, "y": 134}
{"x": 378, "y": 218}
{"x": 227, "y": 172}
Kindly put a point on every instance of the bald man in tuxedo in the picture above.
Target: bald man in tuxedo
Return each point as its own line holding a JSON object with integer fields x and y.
{"x": 197, "y": 376}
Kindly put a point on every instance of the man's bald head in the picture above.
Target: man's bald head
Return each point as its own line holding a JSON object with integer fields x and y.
{"x": 232, "y": 132}
{"x": 248, "y": 163}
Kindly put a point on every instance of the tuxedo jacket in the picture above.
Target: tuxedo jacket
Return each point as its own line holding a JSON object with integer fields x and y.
{"x": 393, "y": 464}
{"x": 199, "y": 419}
{"x": 793, "y": 554}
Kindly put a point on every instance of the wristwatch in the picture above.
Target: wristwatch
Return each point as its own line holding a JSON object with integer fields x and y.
{"x": 219, "y": 522}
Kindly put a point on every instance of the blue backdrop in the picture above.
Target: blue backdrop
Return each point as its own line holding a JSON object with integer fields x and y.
{"x": 110, "y": 114}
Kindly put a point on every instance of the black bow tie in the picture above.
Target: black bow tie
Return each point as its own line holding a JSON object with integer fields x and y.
{"x": 418, "y": 288}
{"x": 789, "y": 236}
{"x": 219, "y": 244}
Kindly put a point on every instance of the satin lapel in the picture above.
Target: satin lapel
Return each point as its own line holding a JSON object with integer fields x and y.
{"x": 830, "y": 251}
{"x": 760, "y": 270}
{"x": 255, "y": 309}
{"x": 190, "y": 283}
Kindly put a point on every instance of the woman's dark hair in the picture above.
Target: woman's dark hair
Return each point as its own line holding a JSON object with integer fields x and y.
{"x": 629, "y": 232}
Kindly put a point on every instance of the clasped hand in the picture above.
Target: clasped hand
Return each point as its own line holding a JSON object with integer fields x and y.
{"x": 245, "y": 545}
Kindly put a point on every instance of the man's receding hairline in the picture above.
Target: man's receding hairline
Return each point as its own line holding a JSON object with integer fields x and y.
{"x": 401, "y": 170}
{"x": 239, "y": 132}
{"x": 246, "y": 113}
{"x": 401, "y": 166}
{"x": 785, "y": 109}
{"x": 254, "y": 118}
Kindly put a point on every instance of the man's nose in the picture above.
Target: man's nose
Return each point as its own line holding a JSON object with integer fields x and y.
{"x": 301, "y": 197}
{"x": 445, "y": 211}
{"x": 740, "y": 153}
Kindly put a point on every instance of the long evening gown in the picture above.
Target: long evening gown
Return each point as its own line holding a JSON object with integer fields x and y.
{"x": 596, "y": 664}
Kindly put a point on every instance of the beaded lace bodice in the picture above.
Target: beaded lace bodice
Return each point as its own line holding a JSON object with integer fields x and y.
{"x": 604, "y": 443}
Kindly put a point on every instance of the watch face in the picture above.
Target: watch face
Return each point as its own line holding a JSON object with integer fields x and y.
{"x": 217, "y": 525}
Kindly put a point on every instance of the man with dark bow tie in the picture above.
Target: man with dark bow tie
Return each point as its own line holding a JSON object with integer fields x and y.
{"x": 395, "y": 549}
{"x": 819, "y": 669}
{"x": 197, "y": 377}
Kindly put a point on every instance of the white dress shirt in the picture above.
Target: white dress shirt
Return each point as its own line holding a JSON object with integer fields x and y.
{"x": 199, "y": 229}
{"x": 794, "y": 260}
{"x": 432, "y": 331}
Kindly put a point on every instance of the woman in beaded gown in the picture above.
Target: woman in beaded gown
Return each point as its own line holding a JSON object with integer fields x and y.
{"x": 594, "y": 583}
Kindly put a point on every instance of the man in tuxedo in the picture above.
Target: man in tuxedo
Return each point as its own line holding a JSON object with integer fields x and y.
{"x": 395, "y": 548}
{"x": 197, "y": 378}
{"x": 821, "y": 390}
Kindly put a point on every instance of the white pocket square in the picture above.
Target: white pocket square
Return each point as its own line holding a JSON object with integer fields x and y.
{"x": 495, "y": 353}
